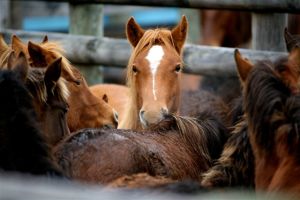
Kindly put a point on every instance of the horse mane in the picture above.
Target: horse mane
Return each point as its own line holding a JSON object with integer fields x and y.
{"x": 57, "y": 49}
{"x": 205, "y": 134}
{"x": 159, "y": 36}
{"x": 37, "y": 87}
{"x": 265, "y": 96}
{"x": 23, "y": 148}
{"x": 4, "y": 54}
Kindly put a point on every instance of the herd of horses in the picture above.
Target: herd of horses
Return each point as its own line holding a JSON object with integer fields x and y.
{"x": 150, "y": 134}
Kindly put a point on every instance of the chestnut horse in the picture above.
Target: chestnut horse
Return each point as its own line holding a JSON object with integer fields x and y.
{"x": 178, "y": 148}
{"x": 23, "y": 148}
{"x": 86, "y": 110}
{"x": 153, "y": 74}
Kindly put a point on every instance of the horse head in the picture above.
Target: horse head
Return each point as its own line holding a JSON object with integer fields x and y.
{"x": 154, "y": 72}
{"x": 49, "y": 94}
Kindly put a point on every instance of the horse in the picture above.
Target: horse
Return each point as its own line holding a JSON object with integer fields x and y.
{"x": 153, "y": 73}
{"x": 235, "y": 167}
{"x": 50, "y": 96}
{"x": 23, "y": 147}
{"x": 178, "y": 148}
{"x": 271, "y": 104}
{"x": 86, "y": 110}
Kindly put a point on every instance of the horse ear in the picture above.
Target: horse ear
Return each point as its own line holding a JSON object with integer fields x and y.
{"x": 52, "y": 74}
{"x": 134, "y": 32}
{"x": 289, "y": 40}
{"x": 37, "y": 55}
{"x": 179, "y": 33}
{"x": 17, "y": 44}
{"x": 105, "y": 98}
{"x": 3, "y": 45}
{"x": 45, "y": 39}
{"x": 294, "y": 56}
{"x": 18, "y": 64}
{"x": 244, "y": 66}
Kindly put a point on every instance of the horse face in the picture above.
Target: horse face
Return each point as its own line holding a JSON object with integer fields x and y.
{"x": 157, "y": 73}
{"x": 154, "y": 70}
{"x": 50, "y": 96}
{"x": 86, "y": 110}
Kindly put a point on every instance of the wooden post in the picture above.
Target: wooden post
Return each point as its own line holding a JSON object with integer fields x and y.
{"x": 267, "y": 31}
{"x": 4, "y": 14}
{"x": 87, "y": 19}
{"x": 16, "y": 14}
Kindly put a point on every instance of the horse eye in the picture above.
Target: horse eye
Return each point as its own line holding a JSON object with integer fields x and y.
{"x": 177, "y": 68}
{"x": 134, "y": 69}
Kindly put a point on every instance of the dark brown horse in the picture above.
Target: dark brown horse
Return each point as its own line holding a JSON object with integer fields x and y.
{"x": 178, "y": 148}
{"x": 235, "y": 167}
{"x": 23, "y": 148}
{"x": 272, "y": 90}
{"x": 50, "y": 96}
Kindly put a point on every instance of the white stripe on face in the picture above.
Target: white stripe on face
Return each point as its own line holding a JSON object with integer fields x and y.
{"x": 154, "y": 57}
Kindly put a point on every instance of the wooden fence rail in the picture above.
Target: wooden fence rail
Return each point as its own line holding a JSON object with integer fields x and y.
{"x": 282, "y": 6}
{"x": 115, "y": 52}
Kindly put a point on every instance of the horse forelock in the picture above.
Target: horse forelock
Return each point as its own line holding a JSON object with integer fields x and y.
{"x": 264, "y": 96}
{"x": 35, "y": 82}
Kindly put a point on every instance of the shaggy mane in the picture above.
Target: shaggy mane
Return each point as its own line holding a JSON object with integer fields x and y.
{"x": 35, "y": 83}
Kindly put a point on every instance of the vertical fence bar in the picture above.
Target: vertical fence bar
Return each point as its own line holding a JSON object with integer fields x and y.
{"x": 4, "y": 14}
{"x": 267, "y": 31}
{"x": 87, "y": 19}
{"x": 16, "y": 14}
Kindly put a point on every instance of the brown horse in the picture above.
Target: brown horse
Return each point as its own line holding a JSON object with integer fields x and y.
{"x": 177, "y": 148}
{"x": 86, "y": 110}
{"x": 235, "y": 167}
{"x": 271, "y": 102}
{"x": 50, "y": 95}
{"x": 153, "y": 73}
{"x": 23, "y": 148}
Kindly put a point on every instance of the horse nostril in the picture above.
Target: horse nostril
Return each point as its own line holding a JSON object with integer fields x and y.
{"x": 108, "y": 126}
{"x": 164, "y": 111}
{"x": 116, "y": 116}
{"x": 142, "y": 112}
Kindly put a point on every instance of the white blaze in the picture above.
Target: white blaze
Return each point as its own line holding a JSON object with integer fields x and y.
{"x": 154, "y": 57}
